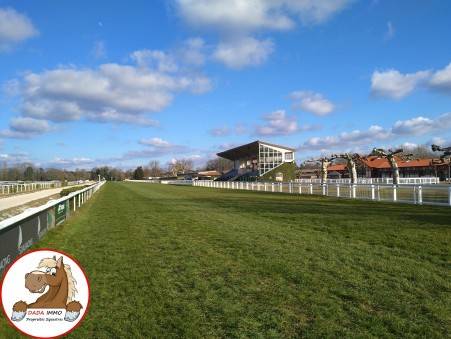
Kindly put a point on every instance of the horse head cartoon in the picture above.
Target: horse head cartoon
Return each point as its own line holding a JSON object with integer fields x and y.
{"x": 60, "y": 293}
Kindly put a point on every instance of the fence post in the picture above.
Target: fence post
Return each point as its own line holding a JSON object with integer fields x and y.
{"x": 395, "y": 197}
{"x": 75, "y": 204}
{"x": 420, "y": 195}
{"x": 449, "y": 196}
{"x": 338, "y": 190}
{"x": 324, "y": 189}
{"x": 272, "y": 187}
{"x": 300, "y": 188}
{"x": 265, "y": 186}
{"x": 353, "y": 191}
{"x": 280, "y": 187}
{"x": 373, "y": 195}
{"x": 290, "y": 187}
{"x": 311, "y": 188}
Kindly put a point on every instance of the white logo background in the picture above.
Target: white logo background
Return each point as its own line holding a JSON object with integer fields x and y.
{"x": 13, "y": 290}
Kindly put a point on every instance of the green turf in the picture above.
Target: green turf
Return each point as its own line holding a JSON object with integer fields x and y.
{"x": 172, "y": 261}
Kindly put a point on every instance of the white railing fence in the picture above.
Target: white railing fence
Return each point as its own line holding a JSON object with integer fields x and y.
{"x": 402, "y": 181}
{"x": 21, "y": 231}
{"x": 13, "y": 188}
{"x": 413, "y": 194}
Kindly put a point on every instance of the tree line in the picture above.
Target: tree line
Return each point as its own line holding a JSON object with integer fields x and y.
{"x": 154, "y": 169}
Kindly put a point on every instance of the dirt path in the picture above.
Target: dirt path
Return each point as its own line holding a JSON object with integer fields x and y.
{"x": 22, "y": 199}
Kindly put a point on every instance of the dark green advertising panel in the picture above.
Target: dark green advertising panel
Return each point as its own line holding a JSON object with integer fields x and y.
{"x": 61, "y": 211}
{"x": 18, "y": 238}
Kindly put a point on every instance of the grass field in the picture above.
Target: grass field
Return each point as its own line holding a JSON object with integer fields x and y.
{"x": 169, "y": 261}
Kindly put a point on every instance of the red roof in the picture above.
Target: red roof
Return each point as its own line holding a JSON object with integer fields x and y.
{"x": 375, "y": 162}
{"x": 337, "y": 167}
{"x": 382, "y": 163}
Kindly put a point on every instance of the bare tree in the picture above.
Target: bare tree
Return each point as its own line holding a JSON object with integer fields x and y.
{"x": 445, "y": 158}
{"x": 180, "y": 166}
{"x": 155, "y": 168}
{"x": 446, "y": 151}
{"x": 351, "y": 160}
{"x": 324, "y": 162}
{"x": 391, "y": 156}
{"x": 420, "y": 152}
{"x": 219, "y": 164}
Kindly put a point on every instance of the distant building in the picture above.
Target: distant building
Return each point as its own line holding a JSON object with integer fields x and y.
{"x": 255, "y": 160}
{"x": 374, "y": 167}
{"x": 208, "y": 175}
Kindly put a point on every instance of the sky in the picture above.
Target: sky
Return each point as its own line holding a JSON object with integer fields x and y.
{"x": 120, "y": 83}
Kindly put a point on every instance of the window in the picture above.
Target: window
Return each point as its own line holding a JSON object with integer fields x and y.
{"x": 269, "y": 158}
{"x": 289, "y": 156}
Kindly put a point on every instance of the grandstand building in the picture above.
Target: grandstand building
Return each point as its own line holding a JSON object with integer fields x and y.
{"x": 258, "y": 160}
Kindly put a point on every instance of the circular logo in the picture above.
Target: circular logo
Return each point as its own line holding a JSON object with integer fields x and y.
{"x": 45, "y": 293}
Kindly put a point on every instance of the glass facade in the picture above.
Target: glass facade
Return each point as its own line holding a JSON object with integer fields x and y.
{"x": 269, "y": 158}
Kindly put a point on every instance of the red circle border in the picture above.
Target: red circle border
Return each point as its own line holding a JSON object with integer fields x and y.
{"x": 39, "y": 250}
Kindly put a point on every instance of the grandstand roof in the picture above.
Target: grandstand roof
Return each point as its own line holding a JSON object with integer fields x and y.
{"x": 209, "y": 173}
{"x": 248, "y": 150}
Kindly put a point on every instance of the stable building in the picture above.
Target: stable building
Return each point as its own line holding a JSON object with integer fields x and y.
{"x": 375, "y": 167}
{"x": 260, "y": 160}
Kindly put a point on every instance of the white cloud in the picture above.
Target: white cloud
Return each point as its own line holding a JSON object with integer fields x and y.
{"x": 421, "y": 125}
{"x": 24, "y": 128}
{"x": 375, "y": 134}
{"x": 238, "y": 129}
{"x": 155, "y": 59}
{"x": 442, "y": 79}
{"x": 71, "y": 162}
{"x": 109, "y": 93}
{"x": 414, "y": 126}
{"x": 99, "y": 50}
{"x": 242, "y": 52}
{"x": 14, "y": 158}
{"x": 252, "y": 15}
{"x": 409, "y": 146}
{"x": 390, "y": 31}
{"x": 395, "y": 85}
{"x": 278, "y": 123}
{"x": 346, "y": 140}
{"x": 220, "y": 131}
{"x": 192, "y": 51}
{"x": 312, "y": 102}
{"x": 14, "y": 28}
{"x": 437, "y": 141}
{"x": 237, "y": 21}
{"x": 156, "y": 147}
{"x": 156, "y": 142}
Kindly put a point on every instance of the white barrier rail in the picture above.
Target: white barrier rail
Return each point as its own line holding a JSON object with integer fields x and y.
{"x": 20, "y": 232}
{"x": 439, "y": 195}
{"x": 402, "y": 181}
{"x": 77, "y": 198}
{"x": 13, "y": 188}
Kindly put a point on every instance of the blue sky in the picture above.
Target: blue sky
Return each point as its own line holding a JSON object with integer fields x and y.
{"x": 119, "y": 83}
